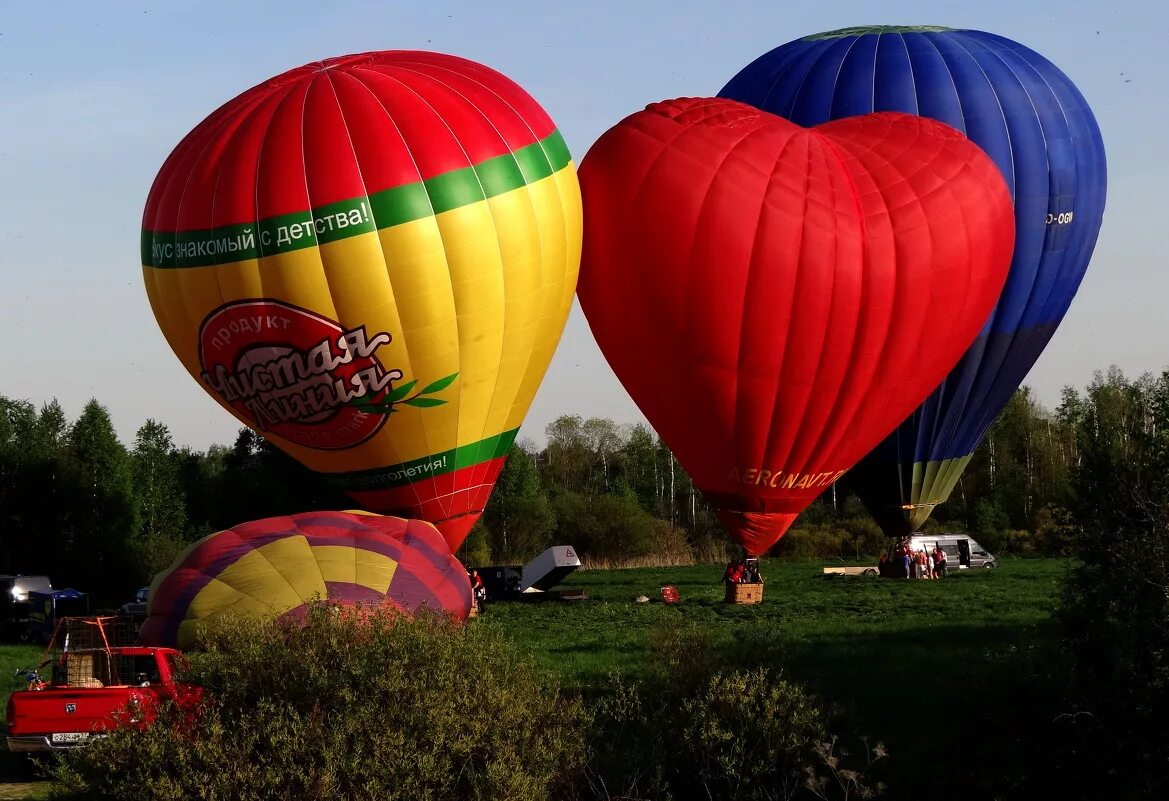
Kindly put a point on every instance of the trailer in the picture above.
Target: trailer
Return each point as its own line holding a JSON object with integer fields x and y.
{"x": 851, "y": 570}
{"x": 538, "y": 577}
{"x": 549, "y": 569}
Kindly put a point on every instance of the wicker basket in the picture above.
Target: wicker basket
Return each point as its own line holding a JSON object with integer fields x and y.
{"x": 744, "y": 593}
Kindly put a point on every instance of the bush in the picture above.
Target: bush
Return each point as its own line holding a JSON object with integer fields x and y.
{"x": 608, "y": 526}
{"x": 754, "y": 735}
{"x": 989, "y": 522}
{"x": 816, "y": 542}
{"x": 1012, "y": 541}
{"x": 351, "y": 705}
{"x": 1116, "y": 618}
{"x": 849, "y": 538}
{"x": 1056, "y": 531}
{"x": 670, "y": 542}
{"x": 476, "y": 549}
{"x": 717, "y": 722}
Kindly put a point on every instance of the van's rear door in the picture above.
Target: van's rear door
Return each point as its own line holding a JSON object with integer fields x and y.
{"x": 964, "y": 552}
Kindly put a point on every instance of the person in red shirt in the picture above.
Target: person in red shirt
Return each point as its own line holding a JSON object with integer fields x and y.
{"x": 478, "y": 591}
{"x": 923, "y": 565}
{"x": 939, "y": 562}
{"x": 734, "y": 573}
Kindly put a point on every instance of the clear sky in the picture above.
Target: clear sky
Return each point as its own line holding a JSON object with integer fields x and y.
{"x": 93, "y": 96}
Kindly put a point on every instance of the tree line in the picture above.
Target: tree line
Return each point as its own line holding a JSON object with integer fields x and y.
{"x": 104, "y": 516}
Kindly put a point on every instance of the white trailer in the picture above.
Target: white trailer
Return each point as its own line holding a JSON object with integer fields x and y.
{"x": 549, "y": 569}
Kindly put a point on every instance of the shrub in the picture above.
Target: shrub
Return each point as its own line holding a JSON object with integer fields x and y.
{"x": 1013, "y": 541}
{"x": 350, "y": 705}
{"x": 670, "y": 542}
{"x": 750, "y": 734}
{"x": 1115, "y": 615}
{"x": 476, "y": 549}
{"x": 1056, "y": 531}
{"x": 715, "y": 722}
{"x": 815, "y": 542}
{"x": 850, "y": 538}
{"x": 607, "y": 526}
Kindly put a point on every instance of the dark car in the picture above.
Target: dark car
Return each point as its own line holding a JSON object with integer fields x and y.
{"x": 14, "y": 592}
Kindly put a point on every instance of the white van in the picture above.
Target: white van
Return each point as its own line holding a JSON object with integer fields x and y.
{"x": 962, "y": 553}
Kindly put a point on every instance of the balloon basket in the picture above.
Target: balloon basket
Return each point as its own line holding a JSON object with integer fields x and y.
{"x": 744, "y": 594}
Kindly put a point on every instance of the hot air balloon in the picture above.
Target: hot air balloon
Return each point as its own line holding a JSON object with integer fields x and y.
{"x": 767, "y": 293}
{"x": 370, "y": 260}
{"x": 1035, "y": 124}
{"x": 276, "y": 567}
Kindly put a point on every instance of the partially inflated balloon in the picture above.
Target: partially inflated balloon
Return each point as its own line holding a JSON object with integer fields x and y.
{"x": 276, "y": 567}
{"x": 370, "y": 261}
{"x": 1035, "y": 124}
{"x": 768, "y": 294}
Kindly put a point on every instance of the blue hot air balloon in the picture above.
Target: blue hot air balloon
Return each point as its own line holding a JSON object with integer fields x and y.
{"x": 1036, "y": 126}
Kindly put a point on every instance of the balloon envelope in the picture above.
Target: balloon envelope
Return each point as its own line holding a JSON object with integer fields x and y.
{"x": 1036, "y": 126}
{"x": 370, "y": 260}
{"x": 757, "y": 286}
{"x": 275, "y": 567}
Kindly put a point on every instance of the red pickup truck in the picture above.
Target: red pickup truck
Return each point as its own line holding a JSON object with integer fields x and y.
{"x": 88, "y": 689}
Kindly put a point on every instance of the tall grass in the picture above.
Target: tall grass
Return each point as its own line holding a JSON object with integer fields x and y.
{"x": 710, "y": 554}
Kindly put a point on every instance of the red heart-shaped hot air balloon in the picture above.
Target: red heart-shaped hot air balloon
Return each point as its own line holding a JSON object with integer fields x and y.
{"x": 770, "y": 295}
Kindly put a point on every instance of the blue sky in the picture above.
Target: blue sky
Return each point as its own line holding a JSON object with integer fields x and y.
{"x": 95, "y": 95}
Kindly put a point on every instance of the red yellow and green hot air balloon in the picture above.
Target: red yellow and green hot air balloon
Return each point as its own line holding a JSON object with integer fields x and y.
{"x": 276, "y": 567}
{"x": 370, "y": 260}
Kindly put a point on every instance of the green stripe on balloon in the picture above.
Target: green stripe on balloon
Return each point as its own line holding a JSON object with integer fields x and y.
{"x": 436, "y": 464}
{"x": 861, "y": 30}
{"x": 360, "y": 215}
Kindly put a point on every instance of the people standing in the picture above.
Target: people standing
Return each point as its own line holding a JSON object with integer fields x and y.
{"x": 734, "y": 573}
{"x": 478, "y": 591}
{"x": 923, "y": 565}
{"x": 939, "y": 562}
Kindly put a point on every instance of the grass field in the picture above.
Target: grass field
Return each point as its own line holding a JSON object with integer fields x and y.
{"x": 921, "y": 665}
{"x": 924, "y": 666}
{"x": 837, "y": 619}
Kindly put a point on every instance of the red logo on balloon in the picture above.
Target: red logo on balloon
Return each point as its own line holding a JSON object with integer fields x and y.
{"x": 295, "y": 374}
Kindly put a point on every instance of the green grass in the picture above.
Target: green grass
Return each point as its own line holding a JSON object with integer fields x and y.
{"x": 924, "y": 666}
{"x": 11, "y": 658}
{"x": 830, "y": 620}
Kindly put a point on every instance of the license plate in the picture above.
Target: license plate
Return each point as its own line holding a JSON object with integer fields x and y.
{"x": 70, "y": 737}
